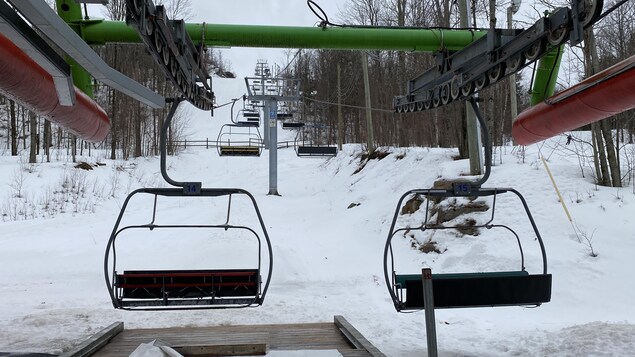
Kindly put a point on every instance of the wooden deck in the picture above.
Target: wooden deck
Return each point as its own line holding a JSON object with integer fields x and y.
{"x": 339, "y": 335}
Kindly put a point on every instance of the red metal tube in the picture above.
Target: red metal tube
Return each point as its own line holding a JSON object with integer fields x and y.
{"x": 26, "y": 82}
{"x": 607, "y": 93}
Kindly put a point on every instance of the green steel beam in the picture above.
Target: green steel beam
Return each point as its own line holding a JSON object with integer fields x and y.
{"x": 546, "y": 75}
{"x": 71, "y": 12}
{"x": 101, "y": 32}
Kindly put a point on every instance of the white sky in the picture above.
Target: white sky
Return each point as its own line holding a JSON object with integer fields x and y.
{"x": 259, "y": 12}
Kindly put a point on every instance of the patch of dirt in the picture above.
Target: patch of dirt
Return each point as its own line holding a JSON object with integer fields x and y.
{"x": 365, "y": 157}
{"x": 446, "y": 214}
{"x": 84, "y": 166}
{"x": 412, "y": 205}
{"x": 429, "y": 247}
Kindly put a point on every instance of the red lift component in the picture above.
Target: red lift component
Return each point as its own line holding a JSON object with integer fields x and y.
{"x": 26, "y": 82}
{"x": 607, "y": 93}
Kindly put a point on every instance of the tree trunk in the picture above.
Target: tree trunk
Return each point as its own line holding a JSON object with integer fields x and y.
{"x": 603, "y": 176}
{"x": 604, "y": 137}
{"x": 14, "y": 129}
{"x": 47, "y": 140}
{"x": 73, "y": 139}
{"x": 114, "y": 125}
{"x": 34, "y": 141}
{"x": 611, "y": 153}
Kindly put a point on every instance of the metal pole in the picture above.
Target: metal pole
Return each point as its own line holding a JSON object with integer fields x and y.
{"x": 512, "y": 77}
{"x": 472, "y": 126}
{"x": 272, "y": 123}
{"x": 265, "y": 123}
{"x": 428, "y": 303}
{"x": 419, "y": 40}
{"x": 370, "y": 140}
{"x": 340, "y": 119}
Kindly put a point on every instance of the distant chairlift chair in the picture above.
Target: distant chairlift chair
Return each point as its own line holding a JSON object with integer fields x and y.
{"x": 167, "y": 289}
{"x": 251, "y": 116}
{"x": 239, "y": 139}
{"x": 306, "y": 148}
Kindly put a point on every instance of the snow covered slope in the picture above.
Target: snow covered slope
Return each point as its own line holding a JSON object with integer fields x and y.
{"x": 328, "y": 257}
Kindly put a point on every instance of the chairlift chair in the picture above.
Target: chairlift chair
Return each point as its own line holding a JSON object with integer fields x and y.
{"x": 471, "y": 289}
{"x": 288, "y": 125}
{"x": 306, "y": 148}
{"x": 172, "y": 289}
{"x": 251, "y": 116}
{"x": 169, "y": 289}
{"x": 239, "y": 139}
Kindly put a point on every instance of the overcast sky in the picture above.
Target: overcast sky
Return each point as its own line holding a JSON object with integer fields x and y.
{"x": 260, "y": 12}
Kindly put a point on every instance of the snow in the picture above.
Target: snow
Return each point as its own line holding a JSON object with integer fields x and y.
{"x": 327, "y": 257}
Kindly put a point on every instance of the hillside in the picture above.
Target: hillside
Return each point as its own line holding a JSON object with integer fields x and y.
{"x": 327, "y": 256}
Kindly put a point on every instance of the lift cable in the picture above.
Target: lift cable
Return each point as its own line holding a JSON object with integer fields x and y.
{"x": 348, "y": 105}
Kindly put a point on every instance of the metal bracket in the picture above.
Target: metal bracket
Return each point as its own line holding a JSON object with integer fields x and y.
{"x": 577, "y": 34}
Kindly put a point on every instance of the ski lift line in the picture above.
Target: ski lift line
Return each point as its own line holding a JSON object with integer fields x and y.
{"x": 348, "y": 105}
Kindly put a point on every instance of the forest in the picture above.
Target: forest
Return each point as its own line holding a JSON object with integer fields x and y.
{"x": 135, "y": 127}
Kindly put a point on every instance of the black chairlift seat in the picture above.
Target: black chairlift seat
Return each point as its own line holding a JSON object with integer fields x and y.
{"x": 292, "y": 125}
{"x": 239, "y": 150}
{"x": 510, "y": 288}
{"x": 247, "y": 123}
{"x": 284, "y": 116}
{"x": 188, "y": 289}
{"x": 316, "y": 151}
{"x": 472, "y": 289}
{"x": 249, "y": 115}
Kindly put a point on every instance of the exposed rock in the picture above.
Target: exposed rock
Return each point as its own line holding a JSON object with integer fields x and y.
{"x": 412, "y": 205}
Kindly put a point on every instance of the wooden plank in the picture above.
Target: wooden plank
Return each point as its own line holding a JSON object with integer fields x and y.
{"x": 318, "y": 336}
{"x": 253, "y": 349}
{"x": 355, "y": 337}
{"x": 95, "y": 342}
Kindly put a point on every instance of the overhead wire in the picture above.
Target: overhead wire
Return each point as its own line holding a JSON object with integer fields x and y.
{"x": 348, "y": 105}
{"x": 324, "y": 22}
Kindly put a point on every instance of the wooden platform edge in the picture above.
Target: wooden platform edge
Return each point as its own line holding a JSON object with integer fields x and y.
{"x": 95, "y": 342}
{"x": 243, "y": 349}
{"x": 355, "y": 337}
